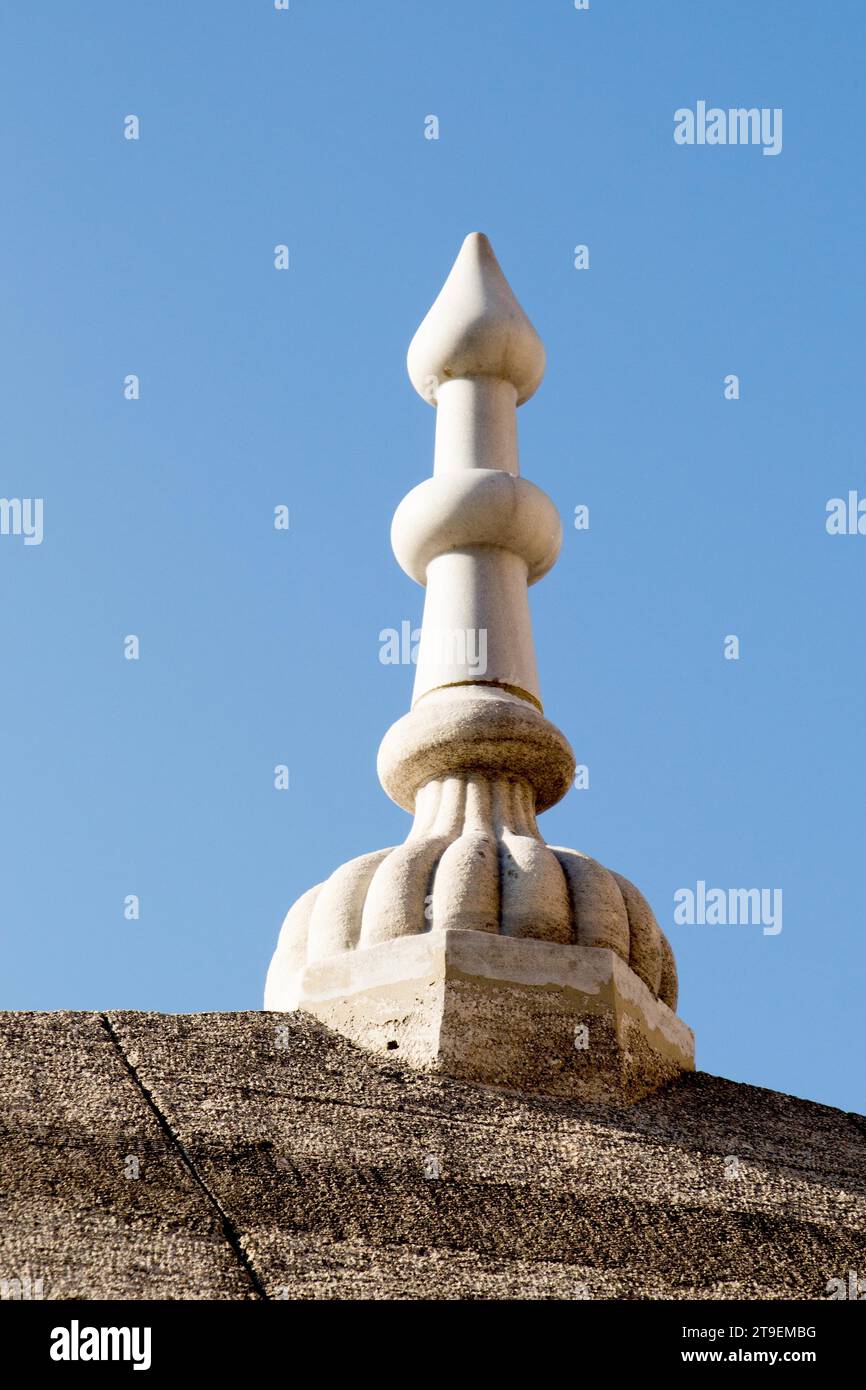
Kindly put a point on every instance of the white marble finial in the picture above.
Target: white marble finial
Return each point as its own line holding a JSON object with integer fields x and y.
{"x": 474, "y": 946}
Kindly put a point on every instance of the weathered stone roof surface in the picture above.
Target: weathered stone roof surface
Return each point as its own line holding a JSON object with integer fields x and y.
{"x": 277, "y": 1160}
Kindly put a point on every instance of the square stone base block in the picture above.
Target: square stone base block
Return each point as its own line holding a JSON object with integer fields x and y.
{"x": 527, "y": 1015}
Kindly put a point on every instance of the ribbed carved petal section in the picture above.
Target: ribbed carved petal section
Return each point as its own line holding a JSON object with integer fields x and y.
{"x": 597, "y": 907}
{"x": 397, "y": 900}
{"x": 466, "y": 881}
{"x": 645, "y": 956}
{"x": 475, "y": 861}
{"x": 534, "y": 893}
{"x": 336, "y": 920}
{"x": 669, "y": 988}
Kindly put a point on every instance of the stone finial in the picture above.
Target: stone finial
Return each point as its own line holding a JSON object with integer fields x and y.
{"x": 475, "y": 947}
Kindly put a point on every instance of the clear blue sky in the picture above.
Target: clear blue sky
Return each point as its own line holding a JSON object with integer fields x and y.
{"x": 259, "y": 387}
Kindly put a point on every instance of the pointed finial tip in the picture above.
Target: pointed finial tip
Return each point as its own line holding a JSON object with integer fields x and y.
{"x": 479, "y": 239}
{"x": 476, "y": 328}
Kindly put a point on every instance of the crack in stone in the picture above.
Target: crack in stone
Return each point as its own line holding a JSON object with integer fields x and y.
{"x": 231, "y": 1235}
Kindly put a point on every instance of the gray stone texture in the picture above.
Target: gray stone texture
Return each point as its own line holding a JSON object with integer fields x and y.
{"x": 279, "y": 1160}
